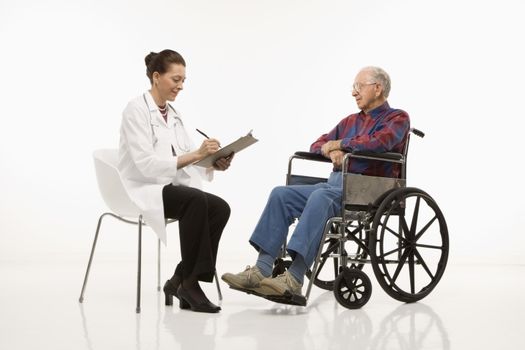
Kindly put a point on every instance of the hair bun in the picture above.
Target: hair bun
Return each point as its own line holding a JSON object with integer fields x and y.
{"x": 150, "y": 57}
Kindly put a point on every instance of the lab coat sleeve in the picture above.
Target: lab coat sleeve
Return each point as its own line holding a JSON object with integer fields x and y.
{"x": 136, "y": 128}
{"x": 207, "y": 174}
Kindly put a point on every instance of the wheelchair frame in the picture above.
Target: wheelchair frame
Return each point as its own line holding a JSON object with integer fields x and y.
{"x": 368, "y": 203}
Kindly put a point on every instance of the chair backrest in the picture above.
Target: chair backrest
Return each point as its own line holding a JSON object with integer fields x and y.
{"x": 110, "y": 184}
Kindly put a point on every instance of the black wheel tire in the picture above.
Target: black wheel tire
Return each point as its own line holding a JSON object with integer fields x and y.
{"x": 352, "y": 288}
{"x": 418, "y": 216}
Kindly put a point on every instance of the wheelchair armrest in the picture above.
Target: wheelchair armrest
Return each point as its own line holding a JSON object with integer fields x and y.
{"x": 385, "y": 156}
{"x": 311, "y": 156}
{"x": 294, "y": 179}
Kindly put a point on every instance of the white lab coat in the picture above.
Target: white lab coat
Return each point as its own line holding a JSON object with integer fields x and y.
{"x": 146, "y": 159}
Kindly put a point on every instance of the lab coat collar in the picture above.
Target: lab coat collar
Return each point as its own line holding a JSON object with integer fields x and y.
{"x": 152, "y": 106}
{"x": 155, "y": 113}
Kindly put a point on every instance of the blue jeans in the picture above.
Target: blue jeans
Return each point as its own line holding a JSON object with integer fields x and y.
{"x": 312, "y": 204}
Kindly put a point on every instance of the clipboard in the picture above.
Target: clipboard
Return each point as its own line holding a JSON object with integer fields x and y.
{"x": 234, "y": 147}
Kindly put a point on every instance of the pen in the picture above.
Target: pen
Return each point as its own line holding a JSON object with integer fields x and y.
{"x": 203, "y": 134}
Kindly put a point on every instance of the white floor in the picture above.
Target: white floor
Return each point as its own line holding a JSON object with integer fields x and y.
{"x": 473, "y": 307}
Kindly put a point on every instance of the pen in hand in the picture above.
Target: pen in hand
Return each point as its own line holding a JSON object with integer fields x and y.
{"x": 203, "y": 134}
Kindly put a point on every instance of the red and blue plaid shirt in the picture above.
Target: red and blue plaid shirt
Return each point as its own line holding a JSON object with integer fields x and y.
{"x": 382, "y": 129}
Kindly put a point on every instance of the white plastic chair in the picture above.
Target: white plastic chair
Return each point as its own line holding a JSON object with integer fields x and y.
{"x": 122, "y": 208}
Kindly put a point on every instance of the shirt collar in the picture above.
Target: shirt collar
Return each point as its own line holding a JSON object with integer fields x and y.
{"x": 376, "y": 112}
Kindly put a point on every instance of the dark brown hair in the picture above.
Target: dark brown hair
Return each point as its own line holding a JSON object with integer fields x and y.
{"x": 159, "y": 62}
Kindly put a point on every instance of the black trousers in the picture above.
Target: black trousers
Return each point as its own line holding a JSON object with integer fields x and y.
{"x": 202, "y": 217}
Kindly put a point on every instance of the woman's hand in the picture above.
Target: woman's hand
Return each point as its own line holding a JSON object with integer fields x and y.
{"x": 223, "y": 163}
{"x": 208, "y": 146}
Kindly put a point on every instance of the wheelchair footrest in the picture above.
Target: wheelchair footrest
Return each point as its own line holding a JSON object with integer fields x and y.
{"x": 287, "y": 298}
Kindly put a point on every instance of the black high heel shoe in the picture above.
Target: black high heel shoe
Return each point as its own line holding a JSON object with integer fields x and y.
{"x": 170, "y": 291}
{"x": 186, "y": 301}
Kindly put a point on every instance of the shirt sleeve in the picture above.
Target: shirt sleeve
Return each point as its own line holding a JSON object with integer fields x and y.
{"x": 388, "y": 134}
{"x": 331, "y": 136}
{"x": 136, "y": 128}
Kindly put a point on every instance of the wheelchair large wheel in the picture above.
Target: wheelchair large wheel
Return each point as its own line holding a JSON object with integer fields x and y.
{"x": 352, "y": 288}
{"x": 325, "y": 278}
{"x": 408, "y": 244}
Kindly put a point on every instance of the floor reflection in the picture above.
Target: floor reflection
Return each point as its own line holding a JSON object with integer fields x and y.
{"x": 410, "y": 327}
{"x": 191, "y": 330}
{"x": 323, "y": 324}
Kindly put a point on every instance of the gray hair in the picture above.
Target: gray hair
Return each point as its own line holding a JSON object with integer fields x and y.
{"x": 381, "y": 77}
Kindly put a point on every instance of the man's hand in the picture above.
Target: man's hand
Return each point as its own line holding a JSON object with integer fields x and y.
{"x": 330, "y": 146}
{"x": 223, "y": 163}
{"x": 337, "y": 158}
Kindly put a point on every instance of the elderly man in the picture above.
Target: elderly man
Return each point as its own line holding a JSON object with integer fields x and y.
{"x": 376, "y": 128}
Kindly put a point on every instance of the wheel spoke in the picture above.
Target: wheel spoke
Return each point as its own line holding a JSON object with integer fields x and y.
{"x": 413, "y": 225}
{"x": 336, "y": 267}
{"x": 400, "y": 237}
{"x": 429, "y": 246}
{"x": 400, "y": 265}
{"x": 423, "y": 263}
{"x": 392, "y": 251}
{"x": 330, "y": 248}
{"x": 425, "y": 228}
{"x": 404, "y": 225}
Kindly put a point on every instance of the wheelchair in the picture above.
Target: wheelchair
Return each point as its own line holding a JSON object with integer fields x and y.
{"x": 398, "y": 230}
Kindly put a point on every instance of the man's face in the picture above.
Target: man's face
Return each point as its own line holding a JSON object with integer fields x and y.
{"x": 365, "y": 91}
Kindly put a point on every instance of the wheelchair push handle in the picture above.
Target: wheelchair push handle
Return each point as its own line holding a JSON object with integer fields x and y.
{"x": 417, "y": 132}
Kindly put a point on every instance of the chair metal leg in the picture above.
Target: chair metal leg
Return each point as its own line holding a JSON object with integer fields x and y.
{"x": 218, "y": 286}
{"x": 158, "y": 265}
{"x": 81, "y": 298}
{"x": 139, "y": 264}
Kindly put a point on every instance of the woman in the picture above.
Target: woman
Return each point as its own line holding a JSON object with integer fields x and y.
{"x": 155, "y": 161}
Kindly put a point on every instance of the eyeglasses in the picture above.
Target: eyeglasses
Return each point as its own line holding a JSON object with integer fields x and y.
{"x": 358, "y": 86}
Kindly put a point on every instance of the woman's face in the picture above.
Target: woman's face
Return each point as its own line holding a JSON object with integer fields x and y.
{"x": 170, "y": 83}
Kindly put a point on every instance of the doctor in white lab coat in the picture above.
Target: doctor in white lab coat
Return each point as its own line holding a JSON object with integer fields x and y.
{"x": 155, "y": 162}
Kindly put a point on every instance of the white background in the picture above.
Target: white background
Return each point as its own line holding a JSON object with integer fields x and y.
{"x": 283, "y": 68}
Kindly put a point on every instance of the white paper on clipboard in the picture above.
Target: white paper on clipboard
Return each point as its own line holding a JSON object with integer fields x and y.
{"x": 234, "y": 147}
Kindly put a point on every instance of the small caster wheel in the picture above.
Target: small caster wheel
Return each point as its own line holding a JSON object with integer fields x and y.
{"x": 352, "y": 288}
